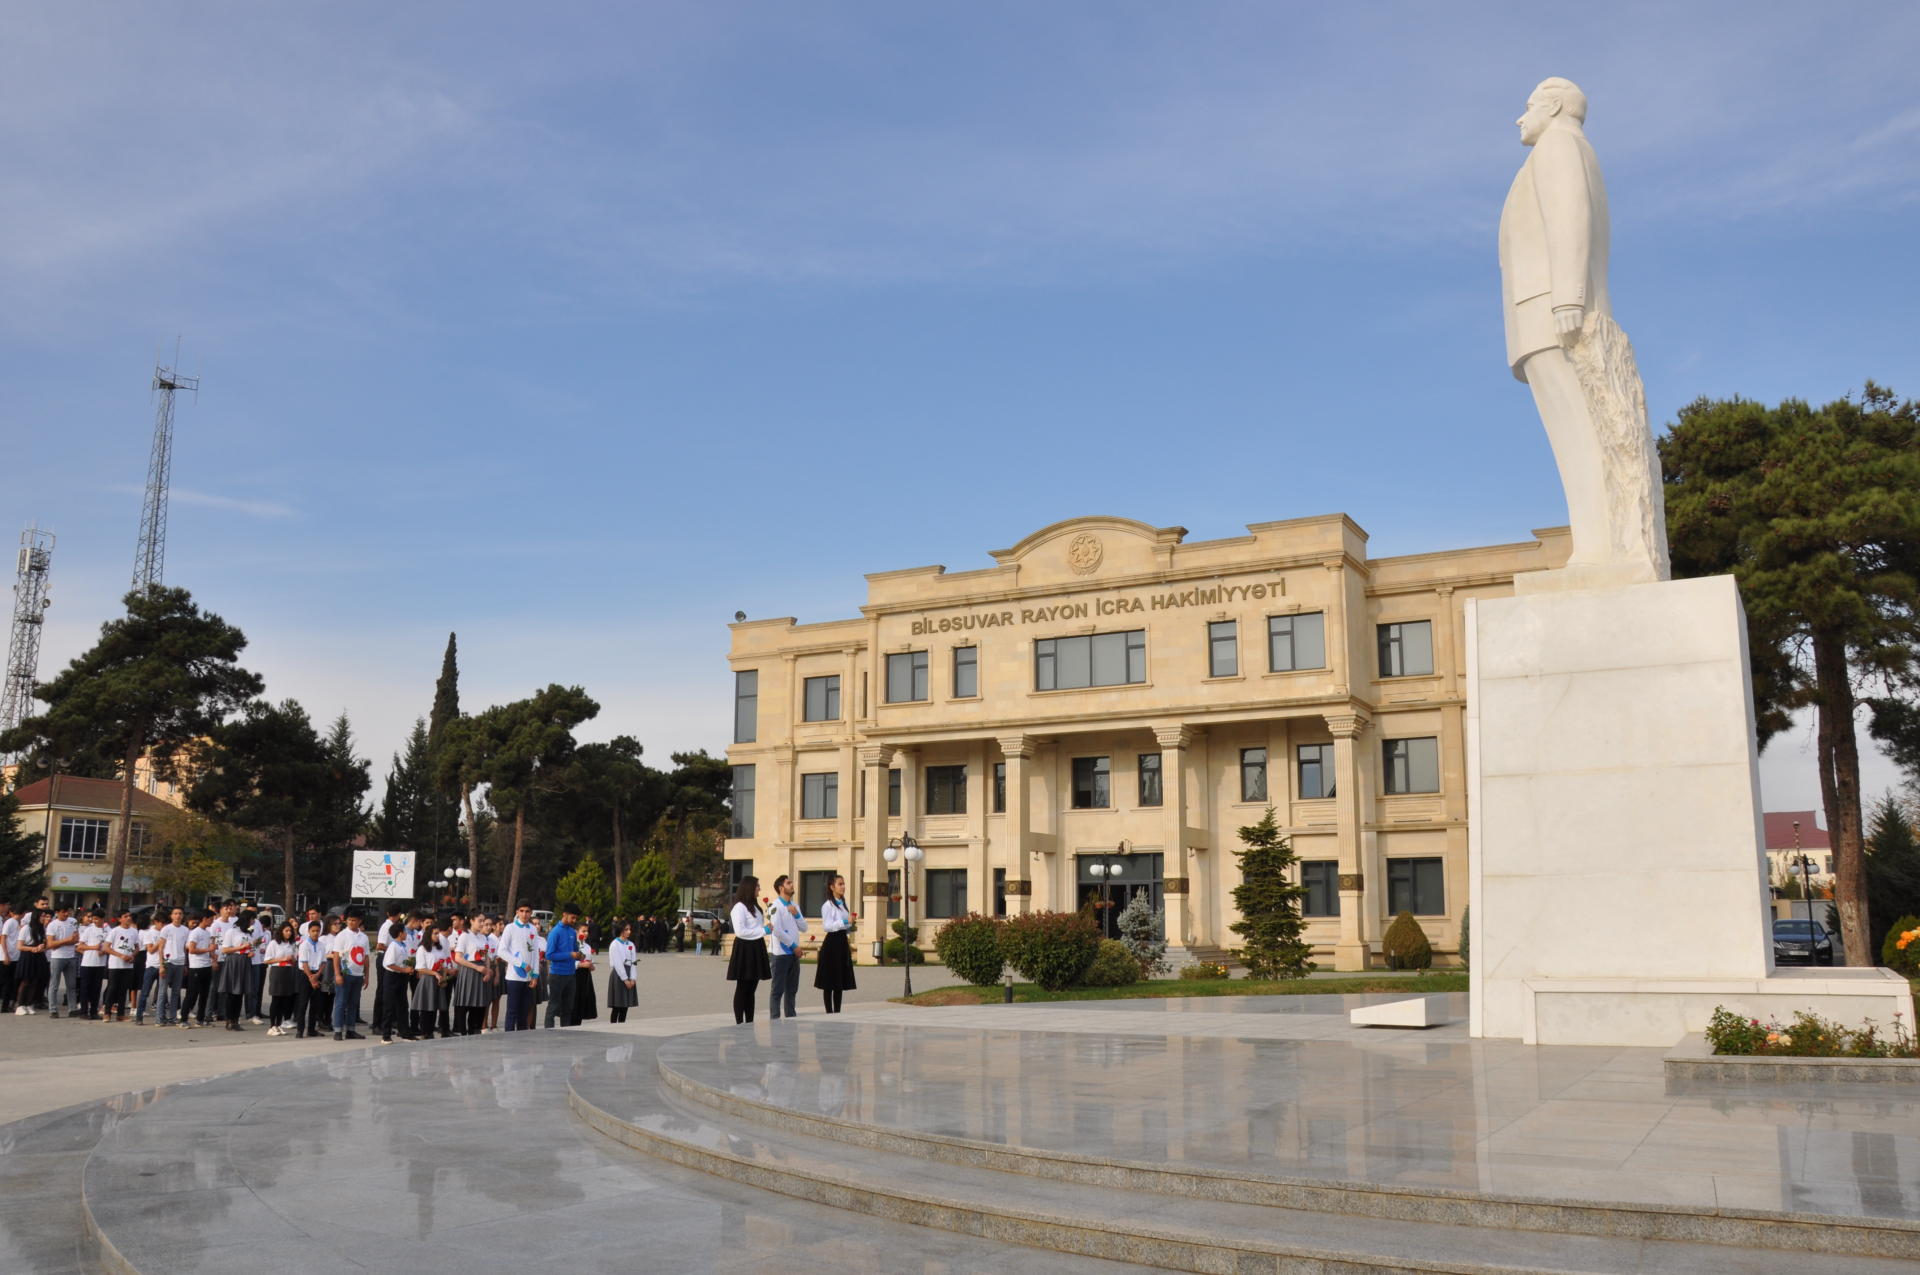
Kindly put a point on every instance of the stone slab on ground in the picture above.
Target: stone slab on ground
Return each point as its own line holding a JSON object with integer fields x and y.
{"x": 1419, "y": 1011}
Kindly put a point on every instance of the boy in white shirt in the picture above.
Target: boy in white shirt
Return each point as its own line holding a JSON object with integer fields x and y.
{"x": 201, "y": 942}
{"x": 173, "y": 966}
{"x": 349, "y": 957}
{"x": 63, "y": 935}
{"x": 121, "y": 947}
{"x": 9, "y": 953}
{"x": 92, "y": 946}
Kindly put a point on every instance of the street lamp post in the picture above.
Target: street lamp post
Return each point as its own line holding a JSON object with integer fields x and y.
{"x": 905, "y": 851}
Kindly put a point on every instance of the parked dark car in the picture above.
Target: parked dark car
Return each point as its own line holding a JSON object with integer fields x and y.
{"x": 1801, "y": 943}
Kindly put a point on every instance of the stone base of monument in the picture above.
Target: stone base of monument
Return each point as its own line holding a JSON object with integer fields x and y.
{"x": 1617, "y": 874}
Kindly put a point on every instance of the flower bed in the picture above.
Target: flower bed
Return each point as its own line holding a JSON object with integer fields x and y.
{"x": 1807, "y": 1036}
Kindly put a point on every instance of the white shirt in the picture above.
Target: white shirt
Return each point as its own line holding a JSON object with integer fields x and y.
{"x": 313, "y": 953}
{"x": 835, "y": 916}
{"x": 150, "y": 942}
{"x": 91, "y": 937}
{"x": 10, "y": 939}
{"x": 235, "y": 940}
{"x": 386, "y": 934}
{"x": 399, "y": 952}
{"x": 260, "y": 935}
{"x": 173, "y": 943}
{"x": 746, "y": 922}
{"x": 219, "y": 926}
{"x": 472, "y": 947}
{"x": 121, "y": 941}
{"x": 200, "y": 944}
{"x": 58, "y": 929}
{"x": 787, "y": 927}
{"x": 276, "y": 952}
{"x": 351, "y": 948}
{"x": 520, "y": 949}
{"x": 621, "y": 956}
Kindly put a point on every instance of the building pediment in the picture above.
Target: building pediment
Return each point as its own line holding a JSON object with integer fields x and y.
{"x": 1089, "y": 547}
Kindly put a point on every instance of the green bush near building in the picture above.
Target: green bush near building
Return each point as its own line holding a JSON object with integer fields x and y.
{"x": 1052, "y": 949}
{"x": 1114, "y": 965}
{"x": 1405, "y": 945}
{"x": 970, "y": 946}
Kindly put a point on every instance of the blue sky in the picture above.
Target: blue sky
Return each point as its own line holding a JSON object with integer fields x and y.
{"x": 576, "y": 328}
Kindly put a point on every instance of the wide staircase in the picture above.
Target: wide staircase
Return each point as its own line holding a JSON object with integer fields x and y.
{"x": 684, "y": 1101}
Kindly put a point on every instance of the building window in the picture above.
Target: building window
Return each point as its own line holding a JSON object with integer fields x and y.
{"x": 813, "y": 891}
{"x": 742, "y": 802}
{"x": 999, "y": 891}
{"x": 1098, "y": 659}
{"x": 746, "y": 706}
{"x": 139, "y": 840}
{"x": 1296, "y": 641}
{"x": 823, "y": 699}
{"x": 1150, "y": 792}
{"x": 1316, "y": 771}
{"x": 1416, "y": 885}
{"x": 1253, "y": 774}
{"x": 1091, "y": 779}
{"x": 1321, "y": 877}
{"x": 820, "y": 796}
{"x": 1412, "y": 765}
{"x": 946, "y": 892}
{"x": 966, "y": 672}
{"x": 84, "y": 838}
{"x": 906, "y": 677}
{"x": 946, "y": 790}
{"x": 893, "y": 793}
{"x": 999, "y": 788}
{"x": 1406, "y": 650}
{"x": 1223, "y": 648}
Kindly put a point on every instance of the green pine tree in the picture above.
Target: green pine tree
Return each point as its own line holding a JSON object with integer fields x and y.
{"x": 649, "y": 889}
{"x": 1893, "y": 868}
{"x": 1269, "y": 905}
{"x": 23, "y": 867}
{"x": 586, "y": 890}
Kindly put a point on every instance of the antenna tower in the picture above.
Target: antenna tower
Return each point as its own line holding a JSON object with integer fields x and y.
{"x": 150, "y": 555}
{"x": 30, "y": 603}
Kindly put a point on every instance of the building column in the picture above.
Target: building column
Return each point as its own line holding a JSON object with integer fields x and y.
{"x": 874, "y": 763}
{"x": 1353, "y": 792}
{"x": 1018, "y": 750}
{"x": 1339, "y": 647}
{"x": 1180, "y": 936}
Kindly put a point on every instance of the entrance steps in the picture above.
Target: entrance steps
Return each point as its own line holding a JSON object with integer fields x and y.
{"x": 1175, "y": 1217}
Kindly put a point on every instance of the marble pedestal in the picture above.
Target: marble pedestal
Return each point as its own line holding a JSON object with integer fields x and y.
{"x": 1615, "y": 859}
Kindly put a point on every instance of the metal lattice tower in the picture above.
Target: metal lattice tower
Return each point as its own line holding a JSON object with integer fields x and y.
{"x": 150, "y": 555}
{"x": 30, "y": 603}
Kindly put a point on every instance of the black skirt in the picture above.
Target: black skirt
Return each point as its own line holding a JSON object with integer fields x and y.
{"x": 834, "y": 973}
{"x": 585, "y": 1004}
{"x": 749, "y": 961}
{"x": 280, "y": 980}
{"x": 236, "y": 975}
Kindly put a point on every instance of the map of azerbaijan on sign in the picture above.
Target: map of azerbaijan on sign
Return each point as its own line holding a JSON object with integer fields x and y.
{"x": 383, "y": 874}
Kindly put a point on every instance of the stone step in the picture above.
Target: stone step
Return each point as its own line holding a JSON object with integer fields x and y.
{"x": 1154, "y": 1229}
{"x": 44, "y": 1225}
{"x": 1849, "y": 1237}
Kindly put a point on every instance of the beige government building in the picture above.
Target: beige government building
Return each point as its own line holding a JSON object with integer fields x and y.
{"x": 1099, "y": 712}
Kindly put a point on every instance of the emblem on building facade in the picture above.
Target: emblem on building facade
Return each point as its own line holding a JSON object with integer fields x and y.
{"x": 1083, "y": 554}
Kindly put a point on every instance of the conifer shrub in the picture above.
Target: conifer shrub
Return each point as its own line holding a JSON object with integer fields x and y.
{"x": 1269, "y": 902}
{"x": 900, "y": 949}
{"x": 1052, "y": 949}
{"x": 1203, "y": 972}
{"x": 1142, "y": 929}
{"x": 1114, "y": 965}
{"x": 970, "y": 946}
{"x": 1405, "y": 945}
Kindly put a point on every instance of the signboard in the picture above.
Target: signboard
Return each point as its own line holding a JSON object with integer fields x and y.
{"x": 96, "y": 881}
{"x": 383, "y": 874}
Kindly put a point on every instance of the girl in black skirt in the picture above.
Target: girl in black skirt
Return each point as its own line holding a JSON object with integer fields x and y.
{"x": 749, "y": 963}
{"x": 236, "y": 968}
{"x": 621, "y": 958}
{"x": 834, "y": 973}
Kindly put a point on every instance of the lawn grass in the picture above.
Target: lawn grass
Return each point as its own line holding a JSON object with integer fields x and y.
{"x": 1157, "y": 989}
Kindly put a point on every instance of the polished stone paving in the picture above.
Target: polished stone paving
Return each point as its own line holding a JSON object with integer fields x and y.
{"x": 456, "y": 1156}
{"x": 1394, "y": 1106}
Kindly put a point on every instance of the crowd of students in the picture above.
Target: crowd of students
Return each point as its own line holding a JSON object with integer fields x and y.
{"x": 461, "y": 976}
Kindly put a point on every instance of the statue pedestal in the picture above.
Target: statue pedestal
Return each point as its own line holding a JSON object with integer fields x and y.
{"x": 1615, "y": 853}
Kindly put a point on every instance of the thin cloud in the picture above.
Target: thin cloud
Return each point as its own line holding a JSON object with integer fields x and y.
{"x": 250, "y": 506}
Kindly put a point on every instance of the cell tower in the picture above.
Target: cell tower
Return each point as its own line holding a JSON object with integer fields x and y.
{"x": 30, "y": 603}
{"x": 150, "y": 555}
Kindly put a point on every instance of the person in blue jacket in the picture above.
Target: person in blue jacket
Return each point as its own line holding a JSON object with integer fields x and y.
{"x": 562, "y": 943}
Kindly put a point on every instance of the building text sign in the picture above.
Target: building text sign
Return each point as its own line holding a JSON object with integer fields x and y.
{"x": 1109, "y": 605}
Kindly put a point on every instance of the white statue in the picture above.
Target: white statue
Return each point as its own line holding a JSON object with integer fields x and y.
{"x": 1562, "y": 341}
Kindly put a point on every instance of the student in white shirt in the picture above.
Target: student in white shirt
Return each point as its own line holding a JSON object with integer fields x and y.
{"x": 236, "y": 968}
{"x": 833, "y": 975}
{"x": 9, "y": 955}
{"x": 622, "y": 956}
{"x": 63, "y": 936}
{"x": 121, "y": 948}
{"x": 151, "y": 966}
{"x": 277, "y": 958}
{"x": 173, "y": 967}
{"x": 748, "y": 965}
{"x": 787, "y": 930}
{"x": 257, "y": 976}
{"x": 396, "y": 971}
{"x": 348, "y": 954}
{"x": 91, "y": 943}
{"x": 520, "y": 950}
{"x": 201, "y": 945}
{"x": 310, "y": 969}
{"x": 470, "y": 992}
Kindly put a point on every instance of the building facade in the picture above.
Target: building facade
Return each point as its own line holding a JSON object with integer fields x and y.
{"x": 77, "y": 818}
{"x": 1098, "y": 714}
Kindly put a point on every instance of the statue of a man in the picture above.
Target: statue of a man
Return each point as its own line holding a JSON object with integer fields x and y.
{"x": 1562, "y": 341}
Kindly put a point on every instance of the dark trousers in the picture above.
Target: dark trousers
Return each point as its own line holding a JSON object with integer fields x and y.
{"x": 832, "y": 997}
{"x": 743, "y": 993}
{"x": 784, "y": 985}
{"x": 468, "y": 1019}
{"x": 394, "y": 1008}
{"x": 310, "y": 1006}
{"x": 7, "y": 984}
{"x": 90, "y": 976}
{"x": 121, "y": 986}
{"x": 560, "y": 1000}
{"x": 199, "y": 1004}
{"x": 519, "y": 1004}
{"x": 257, "y": 982}
{"x": 279, "y": 1009}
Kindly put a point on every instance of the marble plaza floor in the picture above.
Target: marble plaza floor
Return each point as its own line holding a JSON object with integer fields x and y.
{"x": 465, "y": 1156}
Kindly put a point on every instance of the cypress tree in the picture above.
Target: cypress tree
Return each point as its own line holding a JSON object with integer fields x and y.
{"x": 1269, "y": 905}
{"x": 649, "y": 889}
{"x": 23, "y": 867}
{"x": 1893, "y": 868}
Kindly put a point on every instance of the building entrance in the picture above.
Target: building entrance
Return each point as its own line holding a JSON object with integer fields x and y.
{"x": 1109, "y": 881}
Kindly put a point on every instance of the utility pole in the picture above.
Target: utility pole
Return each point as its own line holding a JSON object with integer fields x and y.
{"x": 150, "y": 555}
{"x": 30, "y": 603}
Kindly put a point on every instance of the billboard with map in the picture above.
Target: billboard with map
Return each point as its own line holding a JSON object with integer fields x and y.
{"x": 383, "y": 874}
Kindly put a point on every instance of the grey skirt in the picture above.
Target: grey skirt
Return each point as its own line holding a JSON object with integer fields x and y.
{"x": 236, "y": 975}
{"x": 427, "y": 993}
{"x": 470, "y": 990}
{"x": 619, "y": 995}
